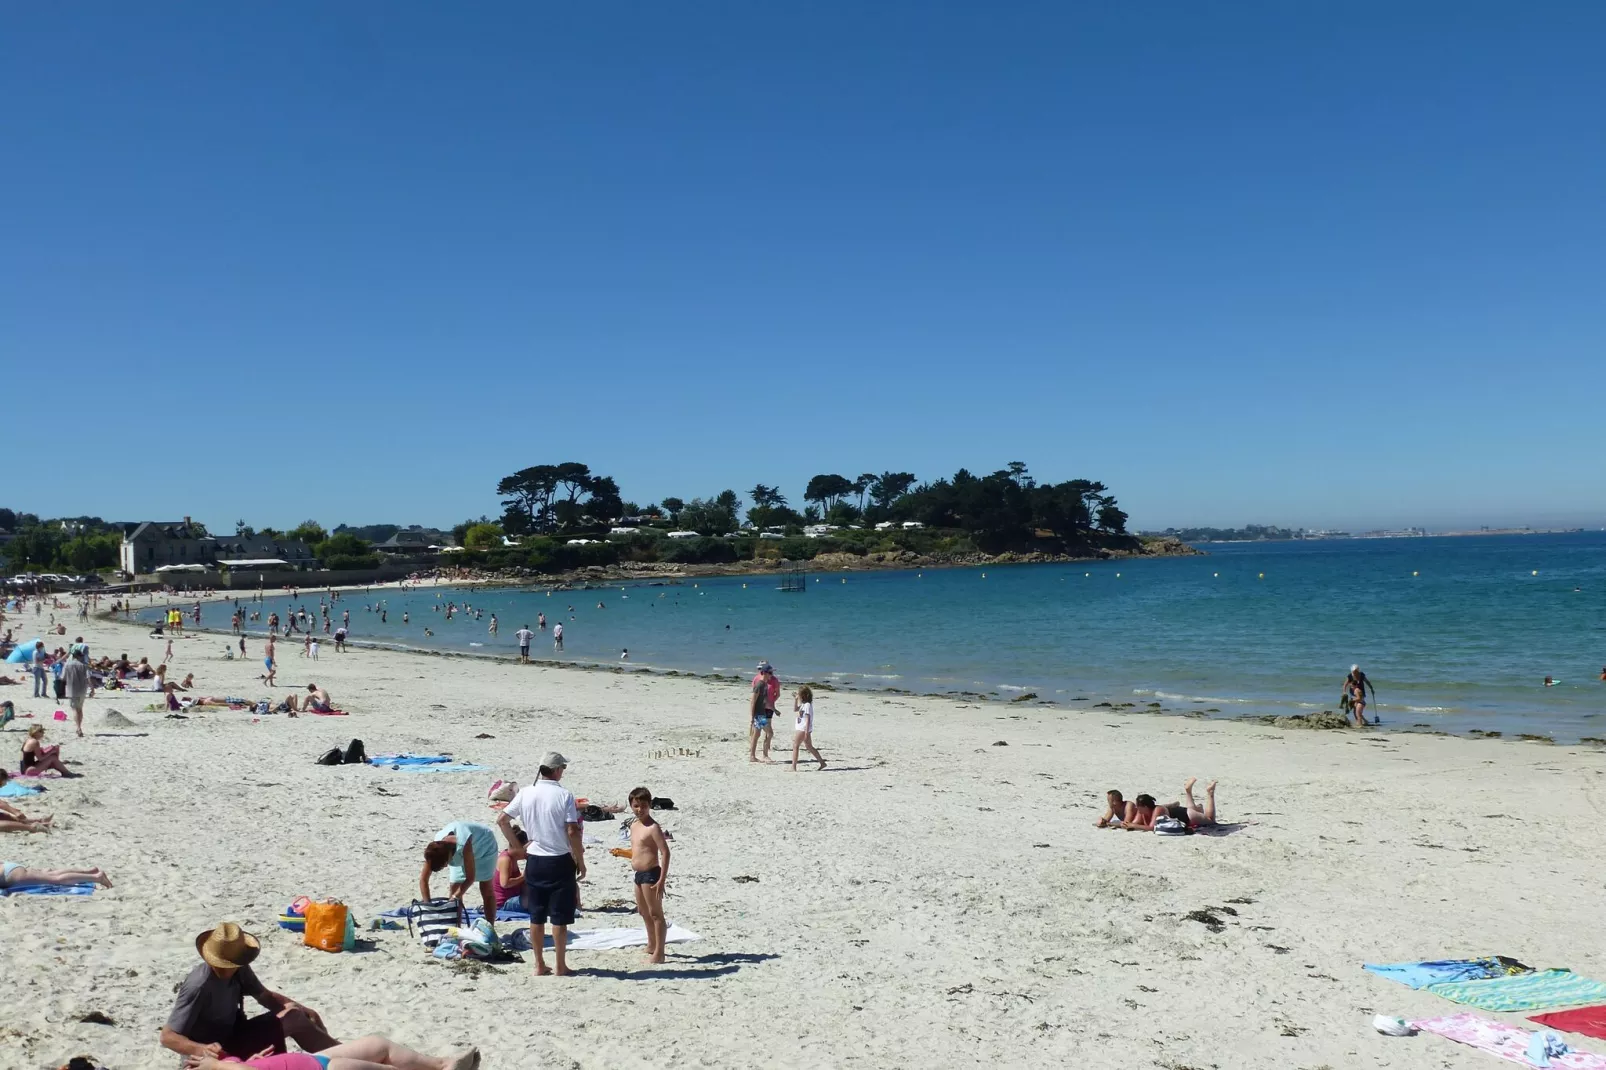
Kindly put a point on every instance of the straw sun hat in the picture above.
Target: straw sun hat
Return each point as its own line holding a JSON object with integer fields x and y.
{"x": 227, "y": 947}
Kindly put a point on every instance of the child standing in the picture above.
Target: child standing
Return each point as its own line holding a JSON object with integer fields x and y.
{"x": 312, "y": 649}
{"x": 803, "y": 707}
{"x": 649, "y": 857}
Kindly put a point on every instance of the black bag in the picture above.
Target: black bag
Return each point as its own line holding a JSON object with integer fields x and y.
{"x": 355, "y": 755}
{"x": 330, "y": 757}
{"x": 663, "y": 804}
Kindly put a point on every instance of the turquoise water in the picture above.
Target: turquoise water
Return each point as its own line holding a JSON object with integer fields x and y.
{"x": 1456, "y": 633}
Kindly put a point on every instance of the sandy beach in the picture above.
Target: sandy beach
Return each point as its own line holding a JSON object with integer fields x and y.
{"x": 932, "y": 899}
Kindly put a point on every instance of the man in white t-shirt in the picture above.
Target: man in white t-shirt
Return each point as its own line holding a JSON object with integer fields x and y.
{"x": 524, "y": 635}
{"x": 557, "y": 637}
{"x": 554, "y": 855}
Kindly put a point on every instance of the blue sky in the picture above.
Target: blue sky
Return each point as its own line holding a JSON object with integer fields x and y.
{"x": 1319, "y": 264}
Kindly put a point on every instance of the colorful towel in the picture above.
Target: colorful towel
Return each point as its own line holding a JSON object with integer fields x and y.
{"x": 395, "y": 760}
{"x": 1590, "y": 1021}
{"x": 11, "y": 789}
{"x": 49, "y": 889}
{"x": 1506, "y": 1041}
{"x": 1524, "y": 992}
{"x": 1440, "y": 971}
{"x": 328, "y": 713}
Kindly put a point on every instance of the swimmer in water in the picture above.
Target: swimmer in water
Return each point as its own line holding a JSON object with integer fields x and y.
{"x": 1549, "y": 682}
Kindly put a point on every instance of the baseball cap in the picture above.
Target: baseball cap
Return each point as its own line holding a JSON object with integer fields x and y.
{"x": 765, "y": 666}
{"x": 554, "y": 760}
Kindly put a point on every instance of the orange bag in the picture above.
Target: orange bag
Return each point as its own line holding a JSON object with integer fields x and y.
{"x": 326, "y": 926}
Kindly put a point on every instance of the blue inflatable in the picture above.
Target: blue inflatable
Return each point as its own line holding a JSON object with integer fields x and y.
{"x": 23, "y": 654}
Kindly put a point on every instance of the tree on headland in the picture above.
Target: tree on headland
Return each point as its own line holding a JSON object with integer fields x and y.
{"x": 861, "y": 487}
{"x": 546, "y": 497}
{"x": 888, "y": 487}
{"x": 716, "y": 516}
{"x": 673, "y": 506}
{"x": 309, "y": 532}
{"x": 827, "y": 490}
{"x": 482, "y": 536}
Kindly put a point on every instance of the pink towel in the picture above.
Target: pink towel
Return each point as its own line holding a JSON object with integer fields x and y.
{"x": 1506, "y": 1041}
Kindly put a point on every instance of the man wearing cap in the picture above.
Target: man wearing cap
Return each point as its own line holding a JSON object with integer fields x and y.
{"x": 555, "y": 858}
{"x": 761, "y": 710}
{"x": 209, "y": 1019}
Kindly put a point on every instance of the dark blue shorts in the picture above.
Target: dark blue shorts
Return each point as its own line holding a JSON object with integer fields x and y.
{"x": 550, "y": 891}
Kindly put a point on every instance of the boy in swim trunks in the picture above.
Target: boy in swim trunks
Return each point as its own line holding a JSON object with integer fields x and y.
{"x": 649, "y": 857}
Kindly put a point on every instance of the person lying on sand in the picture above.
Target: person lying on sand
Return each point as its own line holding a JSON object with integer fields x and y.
{"x": 14, "y": 875}
{"x": 1188, "y": 812}
{"x": 1114, "y": 811}
{"x": 208, "y": 1019}
{"x": 14, "y": 820}
{"x": 364, "y": 1053}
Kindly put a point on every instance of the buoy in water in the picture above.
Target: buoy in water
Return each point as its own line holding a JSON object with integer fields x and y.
{"x": 1416, "y": 573}
{"x": 1217, "y": 575}
{"x": 1536, "y": 572}
{"x": 1262, "y": 575}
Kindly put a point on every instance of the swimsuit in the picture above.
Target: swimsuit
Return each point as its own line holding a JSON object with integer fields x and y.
{"x": 648, "y": 876}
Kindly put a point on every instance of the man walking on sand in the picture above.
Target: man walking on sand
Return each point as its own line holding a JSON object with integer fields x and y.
{"x": 555, "y": 859}
{"x": 761, "y": 710}
{"x": 268, "y": 661}
{"x": 75, "y": 682}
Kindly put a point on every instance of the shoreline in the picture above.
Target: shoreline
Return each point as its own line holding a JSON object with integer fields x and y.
{"x": 1304, "y": 720}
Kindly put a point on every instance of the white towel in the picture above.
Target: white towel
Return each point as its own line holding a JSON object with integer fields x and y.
{"x": 615, "y": 939}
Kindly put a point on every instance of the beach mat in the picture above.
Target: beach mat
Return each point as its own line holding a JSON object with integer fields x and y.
{"x": 603, "y": 939}
{"x": 327, "y": 713}
{"x": 1524, "y": 992}
{"x": 1506, "y": 1041}
{"x": 12, "y": 790}
{"x": 1441, "y": 971}
{"x": 453, "y": 768}
{"x": 1590, "y": 1021}
{"x": 394, "y": 761}
{"x": 49, "y": 889}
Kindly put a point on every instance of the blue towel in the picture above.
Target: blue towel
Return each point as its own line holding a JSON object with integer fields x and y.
{"x": 454, "y": 768}
{"x": 49, "y": 889}
{"x": 1544, "y": 1046}
{"x": 394, "y": 760}
{"x": 12, "y": 790}
{"x": 1423, "y": 974}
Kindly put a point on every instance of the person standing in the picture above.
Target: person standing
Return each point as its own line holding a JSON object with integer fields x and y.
{"x": 557, "y": 636}
{"x": 1355, "y": 686}
{"x": 36, "y": 663}
{"x": 761, "y": 710}
{"x": 803, "y": 708}
{"x": 524, "y": 635}
{"x": 269, "y": 662}
{"x": 469, "y": 848}
{"x": 75, "y": 681}
{"x": 555, "y": 858}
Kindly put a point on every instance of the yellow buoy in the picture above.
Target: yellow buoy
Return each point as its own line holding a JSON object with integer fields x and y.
{"x": 1262, "y": 575}
{"x": 1416, "y": 573}
{"x": 1536, "y": 572}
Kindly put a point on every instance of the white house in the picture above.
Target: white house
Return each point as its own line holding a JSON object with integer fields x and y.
{"x": 912, "y": 525}
{"x": 885, "y": 525}
{"x": 685, "y": 534}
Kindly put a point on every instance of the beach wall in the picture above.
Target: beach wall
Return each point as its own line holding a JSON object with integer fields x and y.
{"x": 251, "y": 579}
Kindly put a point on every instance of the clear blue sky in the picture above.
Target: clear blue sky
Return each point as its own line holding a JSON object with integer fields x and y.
{"x": 1320, "y": 264}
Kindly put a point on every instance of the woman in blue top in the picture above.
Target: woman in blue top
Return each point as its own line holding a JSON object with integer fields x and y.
{"x": 470, "y": 849}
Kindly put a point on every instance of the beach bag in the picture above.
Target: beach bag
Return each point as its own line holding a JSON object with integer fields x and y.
{"x": 326, "y": 924}
{"x": 294, "y": 917}
{"x": 332, "y": 756}
{"x": 355, "y": 755}
{"x": 433, "y": 919}
{"x": 1171, "y": 826}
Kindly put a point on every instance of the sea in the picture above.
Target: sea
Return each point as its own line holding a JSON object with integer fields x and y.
{"x": 1457, "y": 633}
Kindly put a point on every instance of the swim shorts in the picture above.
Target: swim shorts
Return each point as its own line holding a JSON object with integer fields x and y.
{"x": 648, "y": 876}
{"x": 762, "y": 720}
{"x": 550, "y": 892}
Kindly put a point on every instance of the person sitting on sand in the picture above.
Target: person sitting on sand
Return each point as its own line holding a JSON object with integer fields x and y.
{"x": 1115, "y": 805}
{"x": 15, "y": 875}
{"x": 39, "y": 759}
{"x": 364, "y": 1053}
{"x": 470, "y": 849}
{"x": 208, "y": 1019}
{"x": 316, "y": 700}
{"x": 1188, "y": 812}
{"x": 507, "y": 882}
{"x": 14, "y": 820}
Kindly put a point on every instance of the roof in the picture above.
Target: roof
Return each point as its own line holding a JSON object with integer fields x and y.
{"x": 255, "y": 562}
{"x": 166, "y": 529}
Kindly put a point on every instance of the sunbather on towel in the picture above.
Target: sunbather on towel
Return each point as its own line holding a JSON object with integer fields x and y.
{"x": 364, "y": 1053}
{"x": 15, "y": 875}
{"x": 1189, "y": 812}
{"x": 14, "y": 820}
{"x": 1114, "y": 810}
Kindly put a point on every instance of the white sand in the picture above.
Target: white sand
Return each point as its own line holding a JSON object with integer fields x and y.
{"x": 932, "y": 900}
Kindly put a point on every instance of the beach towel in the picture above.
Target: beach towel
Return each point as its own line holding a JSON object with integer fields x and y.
{"x": 49, "y": 889}
{"x": 395, "y": 760}
{"x": 1506, "y": 1041}
{"x": 605, "y": 939}
{"x": 12, "y": 790}
{"x": 327, "y": 713}
{"x": 507, "y": 912}
{"x": 1590, "y": 1021}
{"x": 1524, "y": 992}
{"x": 453, "y": 768}
{"x": 1440, "y": 971}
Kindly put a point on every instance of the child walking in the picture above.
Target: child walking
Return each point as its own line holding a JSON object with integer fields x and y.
{"x": 803, "y": 706}
{"x": 649, "y": 857}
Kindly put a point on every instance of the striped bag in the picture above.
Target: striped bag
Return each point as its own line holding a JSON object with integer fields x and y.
{"x": 433, "y": 918}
